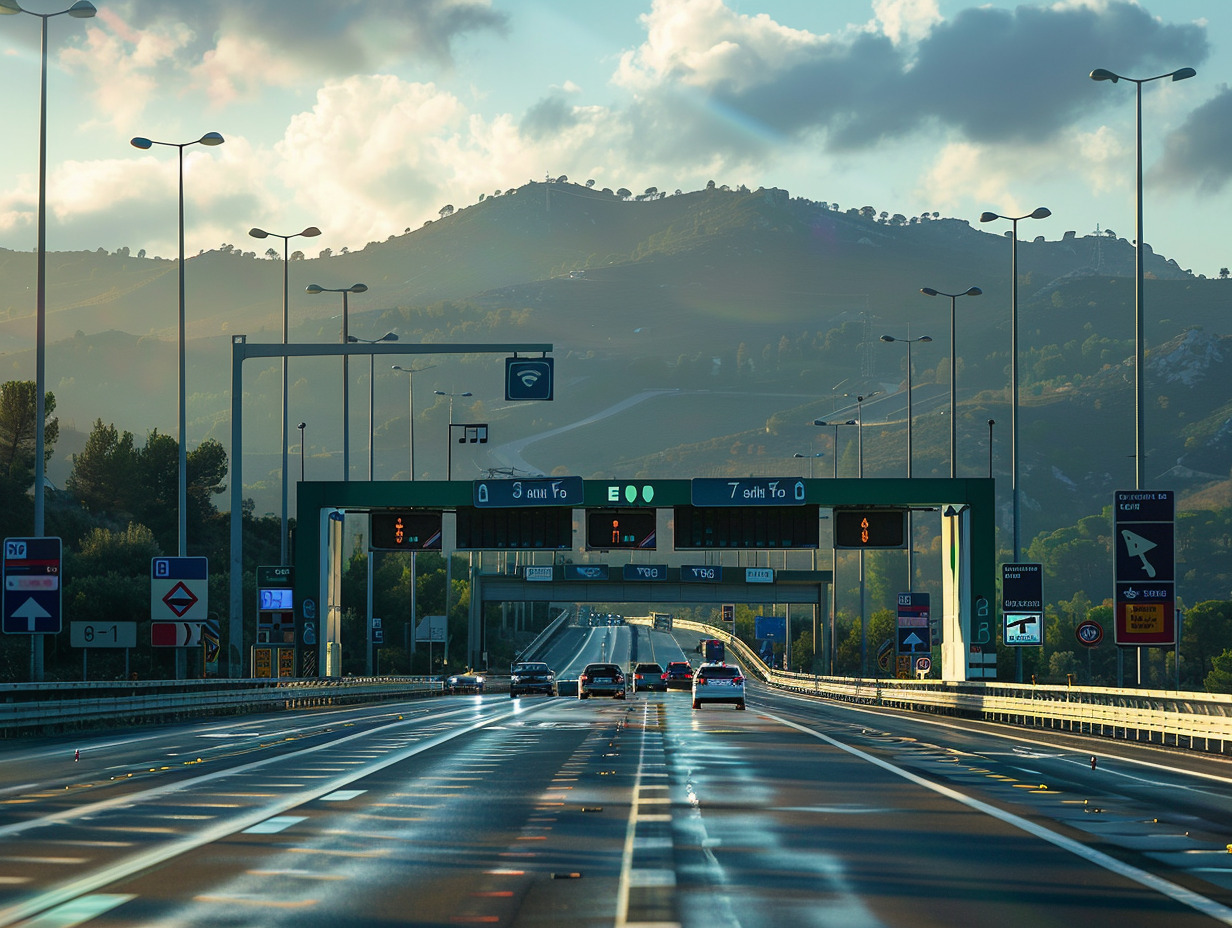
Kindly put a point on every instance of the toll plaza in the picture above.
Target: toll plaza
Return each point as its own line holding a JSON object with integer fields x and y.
{"x": 670, "y": 531}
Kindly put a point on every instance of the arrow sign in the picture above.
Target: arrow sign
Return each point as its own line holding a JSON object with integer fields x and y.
{"x": 31, "y": 611}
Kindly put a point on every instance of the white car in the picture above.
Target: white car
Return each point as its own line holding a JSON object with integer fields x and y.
{"x": 718, "y": 682}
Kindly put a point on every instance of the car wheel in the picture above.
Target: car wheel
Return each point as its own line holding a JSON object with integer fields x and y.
{"x": 740, "y": 705}
{"x": 513, "y": 695}
{"x": 620, "y": 695}
{"x": 696, "y": 704}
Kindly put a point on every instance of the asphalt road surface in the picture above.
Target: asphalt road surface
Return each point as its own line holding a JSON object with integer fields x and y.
{"x": 482, "y": 810}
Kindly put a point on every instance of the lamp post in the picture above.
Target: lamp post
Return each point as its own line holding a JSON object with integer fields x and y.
{"x": 387, "y": 337}
{"x": 301, "y": 427}
{"x": 449, "y": 432}
{"x": 970, "y": 291}
{"x": 346, "y": 370}
{"x": 829, "y": 658}
{"x": 310, "y": 232}
{"x": 991, "y": 423}
{"x": 210, "y": 138}
{"x": 1102, "y": 74}
{"x": 910, "y": 533}
{"x": 811, "y": 458}
{"x": 410, "y": 392}
{"x": 79, "y": 10}
{"x": 1039, "y": 213}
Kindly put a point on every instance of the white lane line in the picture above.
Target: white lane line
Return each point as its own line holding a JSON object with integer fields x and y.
{"x": 73, "y": 889}
{"x": 272, "y": 826}
{"x": 78, "y": 911}
{"x": 1150, "y": 881}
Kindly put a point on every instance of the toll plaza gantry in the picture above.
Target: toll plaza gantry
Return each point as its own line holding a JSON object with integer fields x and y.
{"x": 684, "y": 521}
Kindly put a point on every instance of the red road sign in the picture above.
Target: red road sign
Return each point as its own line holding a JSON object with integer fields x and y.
{"x": 175, "y": 634}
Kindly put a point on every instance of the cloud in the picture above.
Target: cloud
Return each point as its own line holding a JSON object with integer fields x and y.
{"x": 906, "y": 20}
{"x": 1196, "y": 154}
{"x": 742, "y": 83}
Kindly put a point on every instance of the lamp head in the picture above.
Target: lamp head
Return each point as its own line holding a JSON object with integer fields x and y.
{"x": 302, "y": 426}
{"x": 211, "y": 138}
{"x": 358, "y": 288}
{"x": 820, "y": 422}
{"x": 928, "y": 291}
{"x": 311, "y": 232}
{"x": 992, "y": 422}
{"x": 388, "y": 337}
{"x": 924, "y": 338}
{"x": 988, "y": 217}
{"x": 352, "y": 338}
{"x": 972, "y": 291}
{"x": 1103, "y": 74}
{"x": 258, "y": 233}
{"x": 314, "y": 288}
{"x": 8, "y": 7}
{"x": 888, "y": 338}
{"x": 141, "y": 143}
{"x": 1040, "y": 212}
{"x": 1183, "y": 74}
{"x": 82, "y": 9}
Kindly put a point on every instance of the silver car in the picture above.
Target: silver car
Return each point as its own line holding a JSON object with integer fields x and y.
{"x": 718, "y": 683}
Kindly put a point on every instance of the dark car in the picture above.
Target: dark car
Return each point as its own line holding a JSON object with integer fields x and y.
{"x": 468, "y": 682}
{"x": 648, "y": 677}
{"x": 601, "y": 680}
{"x": 679, "y": 675}
{"x": 531, "y": 677}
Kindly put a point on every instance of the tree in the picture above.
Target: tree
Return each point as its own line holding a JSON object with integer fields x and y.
{"x": 624, "y": 192}
{"x": 271, "y": 253}
{"x": 590, "y": 183}
{"x": 103, "y": 474}
{"x": 1223, "y": 273}
{"x": 297, "y": 256}
{"x": 446, "y": 210}
{"x": 18, "y": 408}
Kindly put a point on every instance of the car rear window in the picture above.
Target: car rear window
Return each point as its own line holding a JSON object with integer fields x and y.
{"x": 649, "y": 668}
{"x": 603, "y": 669}
{"x": 725, "y": 672}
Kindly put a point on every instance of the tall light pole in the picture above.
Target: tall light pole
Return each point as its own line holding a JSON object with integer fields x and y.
{"x": 346, "y": 370}
{"x": 970, "y": 291}
{"x": 449, "y": 432}
{"x": 79, "y": 10}
{"x": 301, "y": 427}
{"x": 811, "y": 458}
{"x": 410, "y": 392}
{"x": 1038, "y": 213}
{"x": 829, "y": 658}
{"x": 991, "y": 423}
{"x": 910, "y": 532}
{"x": 210, "y": 138}
{"x": 387, "y": 337}
{"x": 1102, "y": 74}
{"x": 310, "y": 232}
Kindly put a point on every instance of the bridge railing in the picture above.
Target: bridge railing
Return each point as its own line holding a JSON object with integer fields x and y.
{"x": 1197, "y": 721}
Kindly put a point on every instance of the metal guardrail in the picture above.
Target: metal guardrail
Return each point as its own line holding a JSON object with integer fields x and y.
{"x": 40, "y": 708}
{"x": 1173, "y": 718}
{"x": 528, "y": 652}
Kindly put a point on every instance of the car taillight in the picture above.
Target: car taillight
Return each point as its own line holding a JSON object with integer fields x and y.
{"x": 739, "y": 681}
{"x": 583, "y": 678}
{"x": 664, "y": 677}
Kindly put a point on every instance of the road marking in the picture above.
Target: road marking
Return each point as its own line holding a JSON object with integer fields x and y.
{"x": 78, "y": 911}
{"x": 1143, "y": 878}
{"x": 274, "y": 825}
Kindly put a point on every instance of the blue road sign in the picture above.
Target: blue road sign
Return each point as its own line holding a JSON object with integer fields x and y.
{"x": 31, "y": 601}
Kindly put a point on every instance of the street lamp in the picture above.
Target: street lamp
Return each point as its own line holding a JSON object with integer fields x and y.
{"x": 79, "y": 10}
{"x": 991, "y": 423}
{"x": 1039, "y": 213}
{"x": 910, "y": 531}
{"x": 387, "y": 337}
{"x": 834, "y": 445}
{"x": 211, "y": 139}
{"x": 811, "y": 458}
{"x": 310, "y": 232}
{"x": 449, "y": 432}
{"x": 834, "y": 551}
{"x": 301, "y": 427}
{"x": 970, "y": 291}
{"x": 1102, "y": 74}
{"x": 410, "y": 392}
{"x": 346, "y": 370}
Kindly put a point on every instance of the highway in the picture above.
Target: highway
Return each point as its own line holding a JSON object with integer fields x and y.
{"x": 482, "y": 810}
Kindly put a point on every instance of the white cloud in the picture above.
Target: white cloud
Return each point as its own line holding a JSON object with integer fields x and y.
{"x": 905, "y": 21}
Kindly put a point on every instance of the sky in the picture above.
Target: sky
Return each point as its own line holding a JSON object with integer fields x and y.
{"x": 365, "y": 117}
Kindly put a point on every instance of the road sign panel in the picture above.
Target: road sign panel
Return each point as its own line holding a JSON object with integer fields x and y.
{"x": 1089, "y": 633}
{"x": 748, "y": 491}
{"x": 528, "y": 378}
{"x": 175, "y": 634}
{"x": 31, "y": 598}
{"x": 179, "y": 589}
{"x": 1144, "y": 505}
{"x": 1023, "y": 629}
{"x": 102, "y": 634}
{"x": 1022, "y": 587}
{"x": 529, "y": 491}
{"x": 1145, "y": 567}
{"x": 1144, "y": 551}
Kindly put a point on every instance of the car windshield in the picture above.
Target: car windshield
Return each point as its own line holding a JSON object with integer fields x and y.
{"x": 677, "y": 665}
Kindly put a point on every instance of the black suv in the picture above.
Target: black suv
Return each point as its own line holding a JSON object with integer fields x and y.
{"x": 601, "y": 680}
{"x": 648, "y": 677}
{"x": 531, "y": 677}
{"x": 679, "y": 675}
